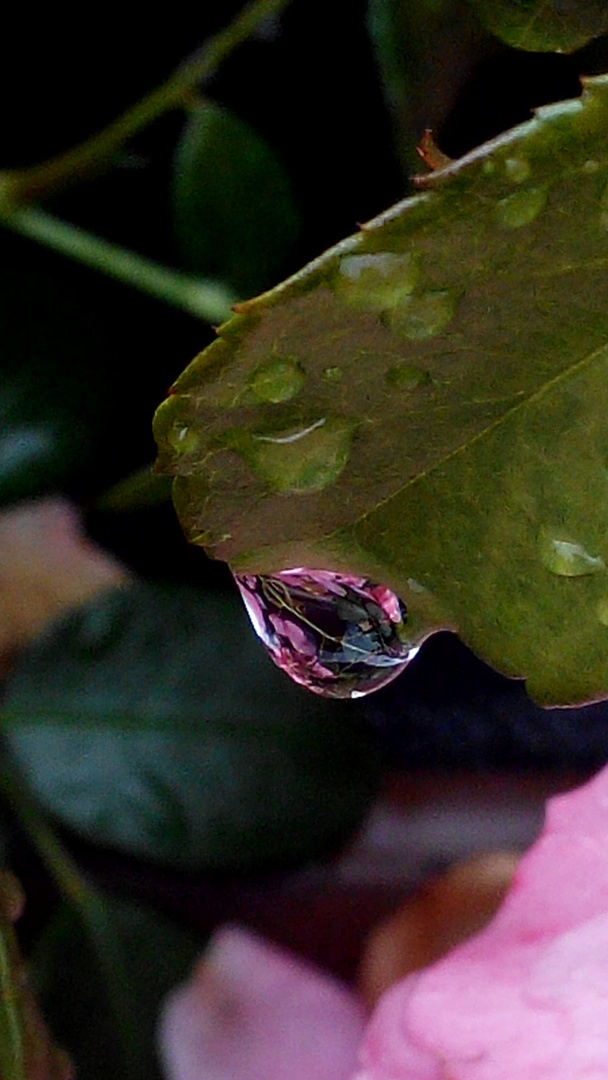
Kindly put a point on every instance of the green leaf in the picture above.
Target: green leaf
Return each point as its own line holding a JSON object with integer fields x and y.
{"x": 544, "y": 25}
{"x": 449, "y": 436}
{"x": 155, "y": 956}
{"x": 152, "y": 721}
{"x": 12, "y": 1028}
{"x": 234, "y": 214}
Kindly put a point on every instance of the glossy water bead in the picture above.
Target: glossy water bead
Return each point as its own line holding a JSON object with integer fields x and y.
{"x": 336, "y": 634}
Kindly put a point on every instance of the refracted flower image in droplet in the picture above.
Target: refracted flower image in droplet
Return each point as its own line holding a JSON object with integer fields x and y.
{"x": 336, "y": 634}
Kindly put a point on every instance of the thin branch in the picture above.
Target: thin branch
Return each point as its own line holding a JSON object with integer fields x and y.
{"x": 207, "y": 300}
{"x": 97, "y": 153}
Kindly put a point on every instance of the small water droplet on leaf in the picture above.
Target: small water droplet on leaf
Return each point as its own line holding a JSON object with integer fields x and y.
{"x": 517, "y": 169}
{"x": 297, "y": 460}
{"x": 407, "y": 376}
{"x": 183, "y": 438}
{"x": 332, "y": 374}
{"x": 277, "y": 380}
{"x": 422, "y": 316}
{"x": 566, "y": 557}
{"x": 376, "y": 282}
{"x": 521, "y": 208}
{"x": 336, "y": 634}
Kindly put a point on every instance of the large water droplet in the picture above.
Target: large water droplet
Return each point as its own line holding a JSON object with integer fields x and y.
{"x": 277, "y": 380}
{"x": 297, "y": 460}
{"x": 377, "y": 281}
{"x": 522, "y": 207}
{"x": 336, "y": 634}
{"x": 422, "y": 316}
{"x": 567, "y": 558}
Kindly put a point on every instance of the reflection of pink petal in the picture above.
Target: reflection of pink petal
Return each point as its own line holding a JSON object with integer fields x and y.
{"x": 300, "y": 668}
{"x": 298, "y": 637}
{"x": 528, "y": 997}
{"x": 387, "y": 601}
{"x": 253, "y": 1012}
{"x": 326, "y": 579}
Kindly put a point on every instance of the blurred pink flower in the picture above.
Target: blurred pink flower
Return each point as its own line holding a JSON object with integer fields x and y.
{"x": 252, "y": 1011}
{"x": 47, "y": 565}
{"x": 527, "y": 999}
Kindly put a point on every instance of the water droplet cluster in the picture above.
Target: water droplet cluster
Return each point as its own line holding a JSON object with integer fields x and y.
{"x": 336, "y": 634}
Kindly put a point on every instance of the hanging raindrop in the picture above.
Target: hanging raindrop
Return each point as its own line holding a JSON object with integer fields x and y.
{"x": 336, "y": 634}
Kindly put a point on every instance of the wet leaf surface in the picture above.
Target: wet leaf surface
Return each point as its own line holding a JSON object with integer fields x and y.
{"x": 476, "y": 490}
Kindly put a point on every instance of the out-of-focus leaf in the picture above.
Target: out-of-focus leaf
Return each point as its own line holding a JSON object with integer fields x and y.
{"x": 141, "y": 490}
{"x": 71, "y": 351}
{"x": 412, "y": 44}
{"x": 155, "y": 956}
{"x": 153, "y": 721}
{"x": 441, "y": 422}
{"x": 234, "y": 214}
{"x": 544, "y": 25}
{"x": 26, "y": 1049}
{"x": 12, "y": 1035}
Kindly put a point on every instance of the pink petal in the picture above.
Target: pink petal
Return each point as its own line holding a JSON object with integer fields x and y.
{"x": 527, "y": 999}
{"x": 252, "y": 1011}
{"x": 46, "y": 566}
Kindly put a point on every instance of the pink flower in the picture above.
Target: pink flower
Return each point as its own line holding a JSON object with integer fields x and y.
{"x": 253, "y": 1012}
{"x": 527, "y": 999}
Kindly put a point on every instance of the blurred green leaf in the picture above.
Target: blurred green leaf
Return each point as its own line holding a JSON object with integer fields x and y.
{"x": 153, "y": 721}
{"x": 68, "y": 342}
{"x": 140, "y": 491}
{"x": 544, "y": 25}
{"x": 12, "y": 1027}
{"x": 155, "y": 956}
{"x": 234, "y": 213}
{"x": 448, "y": 435}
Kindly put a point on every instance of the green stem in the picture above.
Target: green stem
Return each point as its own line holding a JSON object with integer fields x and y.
{"x": 98, "y": 152}
{"x": 84, "y": 900}
{"x": 208, "y": 300}
{"x": 12, "y": 1059}
{"x": 140, "y": 491}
